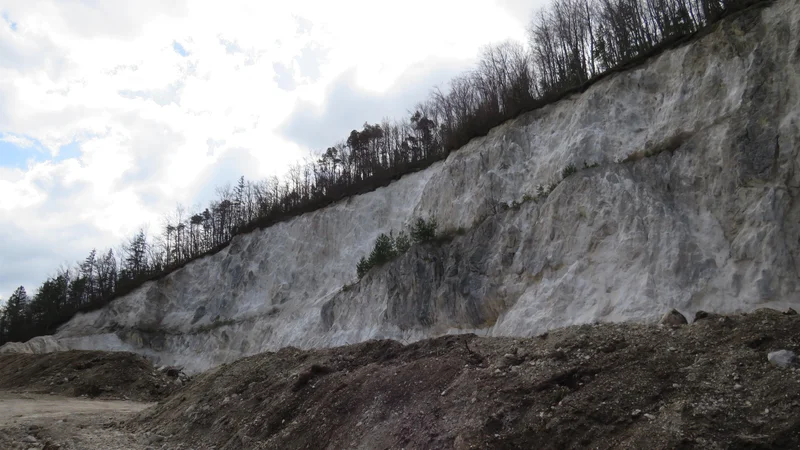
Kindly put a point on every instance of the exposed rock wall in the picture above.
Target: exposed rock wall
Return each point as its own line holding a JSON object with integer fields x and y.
{"x": 691, "y": 207}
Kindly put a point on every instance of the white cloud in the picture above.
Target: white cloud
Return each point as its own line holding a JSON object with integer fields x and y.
{"x": 18, "y": 141}
{"x": 154, "y": 125}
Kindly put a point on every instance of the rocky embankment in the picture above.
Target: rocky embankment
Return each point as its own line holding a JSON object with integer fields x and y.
{"x": 683, "y": 198}
{"x": 714, "y": 384}
{"x": 721, "y": 382}
{"x": 92, "y": 374}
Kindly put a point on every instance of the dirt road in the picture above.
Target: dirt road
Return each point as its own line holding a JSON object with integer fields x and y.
{"x": 31, "y": 421}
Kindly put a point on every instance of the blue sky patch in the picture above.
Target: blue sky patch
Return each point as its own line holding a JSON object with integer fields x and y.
{"x": 179, "y": 49}
{"x": 17, "y": 156}
{"x": 69, "y": 151}
{"x": 10, "y": 22}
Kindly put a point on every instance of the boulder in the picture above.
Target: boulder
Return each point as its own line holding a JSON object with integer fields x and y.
{"x": 674, "y": 319}
{"x": 782, "y": 358}
{"x": 700, "y": 315}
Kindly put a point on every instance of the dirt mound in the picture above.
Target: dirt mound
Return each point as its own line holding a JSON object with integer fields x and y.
{"x": 94, "y": 374}
{"x": 705, "y": 385}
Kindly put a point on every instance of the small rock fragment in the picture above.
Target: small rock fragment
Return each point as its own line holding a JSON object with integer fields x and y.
{"x": 155, "y": 438}
{"x": 673, "y": 318}
{"x": 636, "y": 412}
{"x": 510, "y": 359}
{"x": 700, "y": 315}
{"x": 29, "y": 439}
{"x": 782, "y": 358}
{"x": 649, "y": 417}
{"x": 790, "y": 312}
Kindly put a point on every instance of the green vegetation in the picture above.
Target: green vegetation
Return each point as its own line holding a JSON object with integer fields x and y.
{"x": 423, "y": 230}
{"x": 586, "y": 165}
{"x": 402, "y": 242}
{"x": 387, "y": 247}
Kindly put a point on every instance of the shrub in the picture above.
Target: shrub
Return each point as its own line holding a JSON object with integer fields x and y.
{"x": 383, "y": 250}
{"x": 362, "y": 267}
{"x": 402, "y": 243}
{"x": 423, "y": 230}
{"x": 387, "y": 247}
{"x": 569, "y": 170}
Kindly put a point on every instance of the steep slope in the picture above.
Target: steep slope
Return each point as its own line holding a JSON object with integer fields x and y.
{"x": 691, "y": 206}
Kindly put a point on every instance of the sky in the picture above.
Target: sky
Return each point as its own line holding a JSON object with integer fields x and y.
{"x": 113, "y": 112}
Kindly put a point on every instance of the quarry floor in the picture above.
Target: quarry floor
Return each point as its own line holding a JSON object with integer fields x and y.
{"x": 34, "y": 421}
{"x": 706, "y": 385}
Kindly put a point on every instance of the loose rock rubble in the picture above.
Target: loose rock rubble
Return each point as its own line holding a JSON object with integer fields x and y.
{"x": 706, "y": 385}
{"x": 92, "y": 374}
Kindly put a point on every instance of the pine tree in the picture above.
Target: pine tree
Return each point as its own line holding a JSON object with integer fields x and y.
{"x": 362, "y": 267}
{"x": 17, "y": 315}
{"x": 88, "y": 271}
{"x": 423, "y": 230}
{"x": 402, "y": 243}
{"x": 106, "y": 276}
{"x": 383, "y": 250}
{"x": 3, "y": 326}
{"x": 136, "y": 255}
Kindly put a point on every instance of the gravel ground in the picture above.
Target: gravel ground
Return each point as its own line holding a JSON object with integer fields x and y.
{"x": 31, "y": 421}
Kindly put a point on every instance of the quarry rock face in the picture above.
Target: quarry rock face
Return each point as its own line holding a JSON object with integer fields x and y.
{"x": 683, "y": 199}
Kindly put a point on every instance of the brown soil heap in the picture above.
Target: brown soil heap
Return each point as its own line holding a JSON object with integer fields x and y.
{"x": 706, "y": 385}
{"x": 111, "y": 375}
